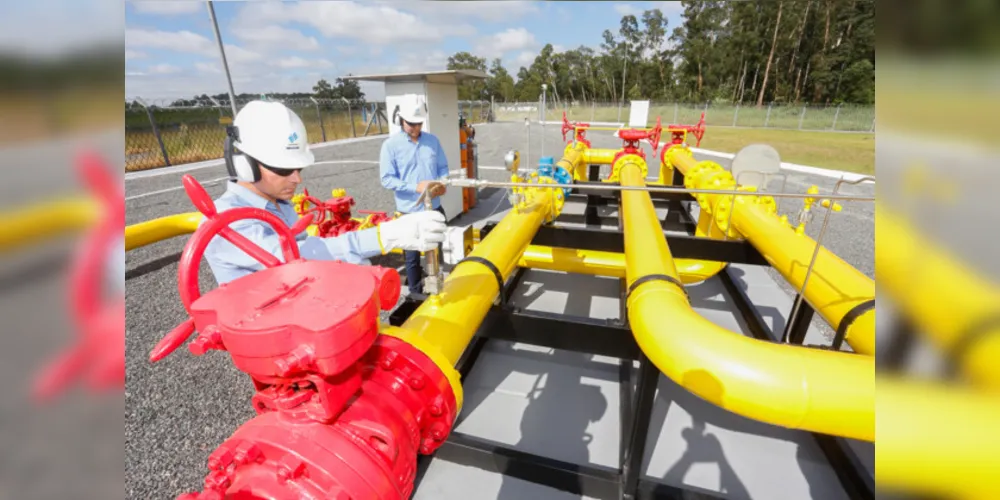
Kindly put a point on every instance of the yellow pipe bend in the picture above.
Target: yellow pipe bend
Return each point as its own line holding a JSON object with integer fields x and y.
{"x": 610, "y": 264}
{"x": 795, "y": 387}
{"x": 835, "y": 287}
{"x": 936, "y": 440}
{"x": 152, "y": 231}
{"x": 943, "y": 299}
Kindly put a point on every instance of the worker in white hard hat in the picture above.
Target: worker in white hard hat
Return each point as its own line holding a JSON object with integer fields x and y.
{"x": 409, "y": 164}
{"x": 273, "y": 149}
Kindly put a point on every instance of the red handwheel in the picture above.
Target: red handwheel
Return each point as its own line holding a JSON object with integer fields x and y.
{"x": 218, "y": 224}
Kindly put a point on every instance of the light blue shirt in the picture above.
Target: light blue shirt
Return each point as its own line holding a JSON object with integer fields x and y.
{"x": 229, "y": 262}
{"x": 404, "y": 163}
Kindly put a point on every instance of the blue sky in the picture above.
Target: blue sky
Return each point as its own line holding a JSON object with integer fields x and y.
{"x": 171, "y": 52}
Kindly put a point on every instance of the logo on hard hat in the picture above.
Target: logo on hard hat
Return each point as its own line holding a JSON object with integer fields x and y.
{"x": 291, "y": 139}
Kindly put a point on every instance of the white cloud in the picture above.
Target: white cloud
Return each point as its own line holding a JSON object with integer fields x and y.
{"x": 498, "y": 11}
{"x": 498, "y": 44}
{"x": 134, "y": 54}
{"x": 55, "y": 27}
{"x": 178, "y": 41}
{"x": 525, "y": 58}
{"x": 169, "y": 7}
{"x": 627, "y": 8}
{"x": 556, "y": 48}
{"x": 298, "y": 62}
{"x": 208, "y": 68}
{"x": 163, "y": 69}
{"x": 376, "y": 24}
{"x": 275, "y": 37}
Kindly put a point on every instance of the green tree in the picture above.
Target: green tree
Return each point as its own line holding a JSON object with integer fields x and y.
{"x": 469, "y": 90}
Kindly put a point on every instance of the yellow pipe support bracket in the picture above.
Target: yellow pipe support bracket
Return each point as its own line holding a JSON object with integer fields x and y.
{"x": 790, "y": 386}
{"x": 835, "y": 287}
{"x": 152, "y": 231}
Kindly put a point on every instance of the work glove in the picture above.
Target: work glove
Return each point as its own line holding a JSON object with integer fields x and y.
{"x": 421, "y": 232}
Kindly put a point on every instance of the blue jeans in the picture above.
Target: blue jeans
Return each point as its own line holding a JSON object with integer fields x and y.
{"x": 414, "y": 270}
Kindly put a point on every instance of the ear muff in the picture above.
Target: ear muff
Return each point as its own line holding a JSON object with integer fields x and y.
{"x": 240, "y": 166}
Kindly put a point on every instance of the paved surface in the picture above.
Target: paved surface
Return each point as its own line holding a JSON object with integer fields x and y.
{"x": 178, "y": 410}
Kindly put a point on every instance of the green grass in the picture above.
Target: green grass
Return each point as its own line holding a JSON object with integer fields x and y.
{"x": 838, "y": 151}
{"x": 789, "y": 116}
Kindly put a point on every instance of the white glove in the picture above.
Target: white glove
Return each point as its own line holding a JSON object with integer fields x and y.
{"x": 421, "y": 231}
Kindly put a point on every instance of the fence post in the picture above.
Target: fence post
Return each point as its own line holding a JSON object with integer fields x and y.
{"x": 767, "y": 117}
{"x": 350, "y": 114}
{"x": 835, "y": 116}
{"x": 736, "y": 114}
{"x": 593, "y": 110}
{"x": 319, "y": 117}
{"x": 802, "y": 117}
{"x": 675, "y": 112}
{"x": 156, "y": 130}
{"x": 873, "y": 125}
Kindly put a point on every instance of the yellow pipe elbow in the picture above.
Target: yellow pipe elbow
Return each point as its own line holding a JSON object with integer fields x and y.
{"x": 40, "y": 222}
{"x": 152, "y": 231}
{"x": 941, "y": 297}
{"x": 835, "y": 287}
{"x": 795, "y": 387}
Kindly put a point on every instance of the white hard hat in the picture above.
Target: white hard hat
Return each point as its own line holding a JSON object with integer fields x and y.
{"x": 274, "y": 135}
{"x": 413, "y": 110}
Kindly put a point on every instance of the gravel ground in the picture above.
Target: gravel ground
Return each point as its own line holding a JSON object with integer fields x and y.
{"x": 179, "y": 409}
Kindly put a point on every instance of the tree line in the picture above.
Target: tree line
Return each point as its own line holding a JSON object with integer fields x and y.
{"x": 784, "y": 51}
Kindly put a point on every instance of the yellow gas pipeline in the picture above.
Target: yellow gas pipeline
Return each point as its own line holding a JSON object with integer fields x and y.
{"x": 151, "y": 231}
{"x": 835, "y": 287}
{"x": 795, "y": 387}
{"x": 444, "y": 324}
{"x": 40, "y": 222}
{"x": 957, "y": 309}
{"x": 610, "y": 264}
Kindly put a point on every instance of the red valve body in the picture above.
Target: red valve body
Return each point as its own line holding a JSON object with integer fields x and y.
{"x": 342, "y": 412}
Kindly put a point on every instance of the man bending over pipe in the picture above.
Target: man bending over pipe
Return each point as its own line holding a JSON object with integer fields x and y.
{"x": 273, "y": 150}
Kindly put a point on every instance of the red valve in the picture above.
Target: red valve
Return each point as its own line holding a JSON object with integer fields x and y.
{"x": 342, "y": 411}
{"x": 579, "y": 130}
{"x": 99, "y": 354}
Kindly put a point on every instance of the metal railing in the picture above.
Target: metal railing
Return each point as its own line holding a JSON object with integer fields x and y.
{"x": 161, "y": 133}
{"x": 840, "y": 118}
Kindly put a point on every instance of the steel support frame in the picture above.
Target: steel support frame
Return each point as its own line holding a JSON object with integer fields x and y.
{"x": 638, "y": 378}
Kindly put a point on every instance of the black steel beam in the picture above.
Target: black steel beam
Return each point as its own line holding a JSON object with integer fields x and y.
{"x": 795, "y": 330}
{"x": 589, "y": 480}
{"x": 571, "y": 333}
{"x": 638, "y": 428}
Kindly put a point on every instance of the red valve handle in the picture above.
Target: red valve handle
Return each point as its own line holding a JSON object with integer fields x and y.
{"x": 654, "y": 135}
{"x": 218, "y": 224}
{"x": 566, "y": 126}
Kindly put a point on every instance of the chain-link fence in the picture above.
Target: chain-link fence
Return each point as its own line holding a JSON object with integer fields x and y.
{"x": 158, "y": 134}
{"x": 841, "y": 118}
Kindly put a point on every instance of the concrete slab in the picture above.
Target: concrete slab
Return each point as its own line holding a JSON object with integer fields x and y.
{"x": 448, "y": 480}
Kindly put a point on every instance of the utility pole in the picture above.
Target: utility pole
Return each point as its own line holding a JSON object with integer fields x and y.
{"x": 222, "y": 52}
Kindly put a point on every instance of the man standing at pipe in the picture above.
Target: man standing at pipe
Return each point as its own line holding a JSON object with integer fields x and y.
{"x": 273, "y": 149}
{"x": 409, "y": 165}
